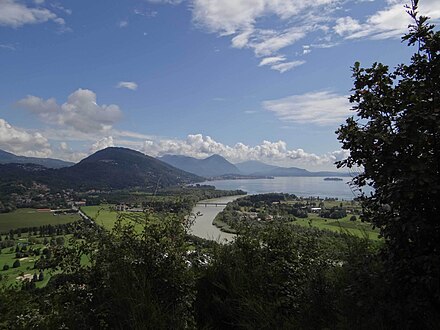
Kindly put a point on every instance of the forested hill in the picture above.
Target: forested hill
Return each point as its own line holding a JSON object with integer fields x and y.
{"x": 111, "y": 168}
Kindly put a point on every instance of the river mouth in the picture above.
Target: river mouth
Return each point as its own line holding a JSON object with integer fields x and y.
{"x": 205, "y": 215}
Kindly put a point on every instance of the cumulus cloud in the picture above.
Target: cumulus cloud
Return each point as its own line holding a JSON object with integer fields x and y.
{"x": 102, "y": 144}
{"x": 65, "y": 152}
{"x": 80, "y": 112}
{"x": 127, "y": 84}
{"x": 15, "y": 14}
{"x": 200, "y": 146}
{"x": 319, "y": 108}
{"x": 22, "y": 142}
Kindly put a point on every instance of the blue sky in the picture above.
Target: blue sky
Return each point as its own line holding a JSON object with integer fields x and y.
{"x": 247, "y": 79}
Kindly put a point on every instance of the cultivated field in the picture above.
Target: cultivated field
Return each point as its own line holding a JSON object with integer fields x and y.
{"x": 32, "y": 218}
{"x": 356, "y": 228}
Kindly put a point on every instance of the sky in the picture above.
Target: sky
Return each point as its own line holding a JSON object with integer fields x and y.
{"x": 264, "y": 80}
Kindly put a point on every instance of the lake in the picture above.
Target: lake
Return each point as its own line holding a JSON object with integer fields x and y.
{"x": 300, "y": 186}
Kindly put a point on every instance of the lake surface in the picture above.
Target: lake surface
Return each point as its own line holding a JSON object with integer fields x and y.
{"x": 300, "y": 186}
{"x": 203, "y": 227}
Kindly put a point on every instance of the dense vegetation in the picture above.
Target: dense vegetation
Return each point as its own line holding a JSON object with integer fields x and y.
{"x": 395, "y": 138}
{"x": 159, "y": 277}
{"x": 266, "y": 209}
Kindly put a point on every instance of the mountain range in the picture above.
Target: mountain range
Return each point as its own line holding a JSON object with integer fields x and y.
{"x": 216, "y": 166}
{"x": 110, "y": 168}
{"x": 7, "y": 158}
{"x": 122, "y": 168}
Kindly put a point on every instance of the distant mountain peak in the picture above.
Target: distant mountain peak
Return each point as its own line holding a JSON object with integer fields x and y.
{"x": 212, "y": 166}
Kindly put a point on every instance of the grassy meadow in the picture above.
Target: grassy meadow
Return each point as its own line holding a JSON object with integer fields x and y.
{"x": 22, "y": 218}
{"x": 343, "y": 225}
{"x": 106, "y": 217}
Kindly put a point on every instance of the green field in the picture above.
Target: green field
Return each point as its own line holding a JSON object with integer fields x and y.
{"x": 356, "y": 228}
{"x": 104, "y": 216}
{"x": 21, "y": 218}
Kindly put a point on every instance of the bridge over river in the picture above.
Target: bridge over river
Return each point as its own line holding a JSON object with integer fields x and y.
{"x": 205, "y": 204}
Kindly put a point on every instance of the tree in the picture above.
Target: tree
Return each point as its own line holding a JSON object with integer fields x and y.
{"x": 395, "y": 139}
{"x": 16, "y": 264}
{"x": 5, "y": 267}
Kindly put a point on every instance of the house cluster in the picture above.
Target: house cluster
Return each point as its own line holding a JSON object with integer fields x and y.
{"x": 127, "y": 208}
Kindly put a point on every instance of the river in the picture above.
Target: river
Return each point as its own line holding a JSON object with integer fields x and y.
{"x": 203, "y": 227}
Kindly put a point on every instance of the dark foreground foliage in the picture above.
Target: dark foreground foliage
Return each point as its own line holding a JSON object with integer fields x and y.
{"x": 281, "y": 276}
{"x": 395, "y": 138}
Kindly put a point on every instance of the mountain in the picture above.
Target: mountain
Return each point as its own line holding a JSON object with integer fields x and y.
{"x": 212, "y": 166}
{"x": 7, "y": 158}
{"x": 119, "y": 168}
{"x": 111, "y": 168}
{"x": 254, "y": 167}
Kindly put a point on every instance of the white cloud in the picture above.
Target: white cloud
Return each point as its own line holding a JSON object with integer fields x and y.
{"x": 269, "y": 26}
{"x": 199, "y": 146}
{"x": 240, "y": 19}
{"x": 147, "y": 12}
{"x": 390, "y": 22}
{"x": 319, "y": 108}
{"x": 170, "y": 2}
{"x": 268, "y": 42}
{"x": 272, "y": 60}
{"x": 127, "y": 84}
{"x": 123, "y": 24}
{"x": 15, "y": 14}
{"x": 102, "y": 144}
{"x": 306, "y": 49}
{"x": 283, "y": 67}
{"x": 23, "y": 142}
{"x": 7, "y": 47}
{"x": 80, "y": 112}
{"x": 346, "y": 25}
{"x": 278, "y": 63}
